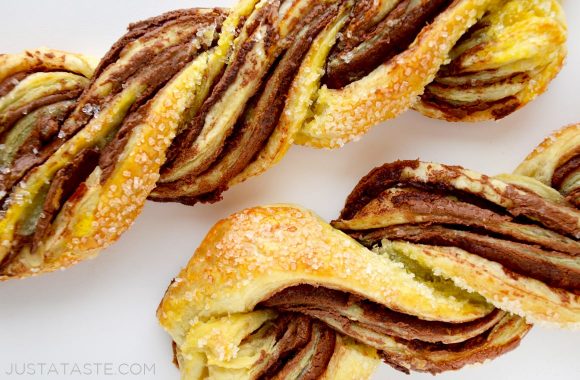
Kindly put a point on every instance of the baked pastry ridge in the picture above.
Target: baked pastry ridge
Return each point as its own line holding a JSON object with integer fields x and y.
{"x": 123, "y": 122}
{"x": 259, "y": 267}
{"x": 191, "y": 102}
{"x": 555, "y": 163}
{"x": 429, "y": 267}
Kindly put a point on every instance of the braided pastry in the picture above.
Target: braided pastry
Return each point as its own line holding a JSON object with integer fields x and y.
{"x": 192, "y": 102}
{"x": 436, "y": 267}
{"x": 556, "y": 163}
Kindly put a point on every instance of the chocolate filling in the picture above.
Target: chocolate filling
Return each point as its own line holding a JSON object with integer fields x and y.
{"x": 180, "y": 148}
{"x": 155, "y": 75}
{"x": 459, "y": 111}
{"x": 292, "y": 333}
{"x": 404, "y": 341}
{"x": 374, "y": 183}
{"x": 151, "y": 28}
{"x": 186, "y": 21}
{"x": 302, "y": 350}
{"x": 354, "y": 314}
{"x": 426, "y": 208}
{"x": 40, "y": 144}
{"x": 436, "y": 358}
{"x": 13, "y": 116}
{"x": 260, "y": 117}
{"x": 11, "y": 81}
{"x": 536, "y": 239}
{"x": 153, "y": 67}
{"x": 311, "y": 361}
{"x": 66, "y": 183}
{"x": 389, "y": 37}
{"x": 565, "y": 170}
{"x": 529, "y": 206}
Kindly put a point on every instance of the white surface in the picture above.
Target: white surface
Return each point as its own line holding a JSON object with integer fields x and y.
{"x": 104, "y": 310}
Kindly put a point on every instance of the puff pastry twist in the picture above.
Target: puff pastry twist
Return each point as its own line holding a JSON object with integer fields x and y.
{"x": 429, "y": 268}
{"x": 191, "y": 102}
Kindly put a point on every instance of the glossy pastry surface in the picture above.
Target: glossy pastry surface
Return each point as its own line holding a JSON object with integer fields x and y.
{"x": 258, "y": 268}
{"x": 192, "y": 102}
{"x": 430, "y": 267}
{"x": 556, "y": 163}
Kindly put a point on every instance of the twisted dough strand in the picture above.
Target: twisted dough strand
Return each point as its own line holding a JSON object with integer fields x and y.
{"x": 555, "y": 163}
{"x": 192, "y": 102}
{"x": 436, "y": 267}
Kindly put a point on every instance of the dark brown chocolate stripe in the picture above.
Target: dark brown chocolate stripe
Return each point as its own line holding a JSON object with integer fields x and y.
{"x": 12, "y": 117}
{"x": 332, "y": 305}
{"x": 139, "y": 29}
{"x": 111, "y": 152}
{"x": 459, "y": 111}
{"x": 437, "y": 358}
{"x": 482, "y": 339}
{"x": 324, "y": 350}
{"x": 520, "y": 259}
{"x": 540, "y": 211}
{"x": 144, "y": 63}
{"x": 42, "y": 142}
{"x": 153, "y": 67}
{"x": 526, "y": 205}
{"x": 374, "y": 183}
{"x": 292, "y": 333}
{"x": 12, "y": 81}
{"x": 566, "y": 169}
{"x": 154, "y": 70}
{"x": 66, "y": 182}
{"x": 390, "y": 37}
{"x": 318, "y": 350}
{"x": 465, "y": 81}
{"x": 155, "y": 75}
{"x": 180, "y": 150}
{"x": 191, "y": 19}
{"x": 262, "y": 114}
{"x": 434, "y": 208}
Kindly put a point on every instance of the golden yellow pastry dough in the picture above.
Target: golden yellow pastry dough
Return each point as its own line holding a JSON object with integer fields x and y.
{"x": 217, "y": 311}
{"x": 429, "y": 267}
{"x": 192, "y": 102}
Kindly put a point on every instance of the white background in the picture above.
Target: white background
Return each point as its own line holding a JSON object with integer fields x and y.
{"x": 104, "y": 310}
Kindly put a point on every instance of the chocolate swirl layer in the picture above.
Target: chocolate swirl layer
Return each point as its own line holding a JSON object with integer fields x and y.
{"x": 38, "y": 91}
{"x": 244, "y": 107}
{"x": 263, "y": 267}
{"x": 404, "y": 341}
{"x": 504, "y": 226}
{"x": 81, "y": 148}
{"x": 556, "y": 163}
{"x": 488, "y": 72}
{"x": 192, "y": 102}
{"x": 430, "y": 267}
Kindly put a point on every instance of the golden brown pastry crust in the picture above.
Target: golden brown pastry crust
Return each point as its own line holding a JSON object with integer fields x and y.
{"x": 107, "y": 199}
{"x": 483, "y": 61}
{"x": 39, "y": 89}
{"x": 191, "y": 102}
{"x": 407, "y": 281}
{"x": 517, "y": 249}
{"x": 252, "y": 255}
{"x": 556, "y": 163}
